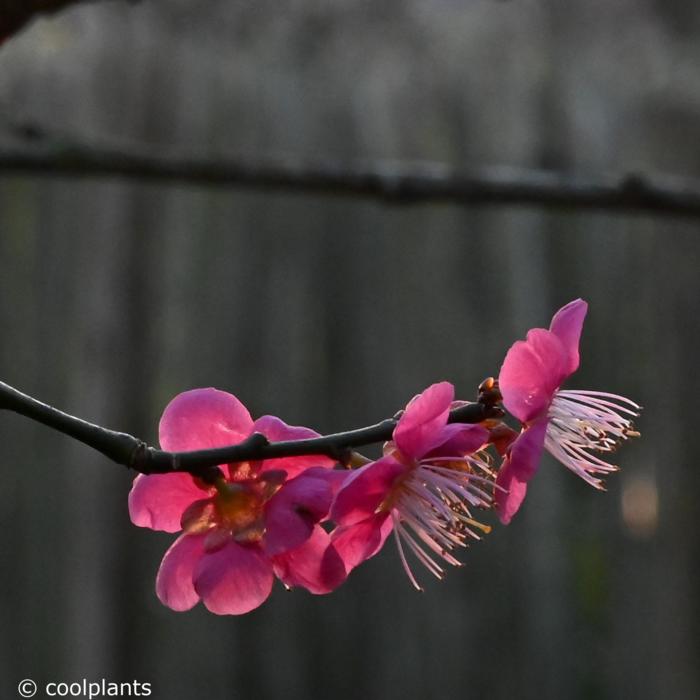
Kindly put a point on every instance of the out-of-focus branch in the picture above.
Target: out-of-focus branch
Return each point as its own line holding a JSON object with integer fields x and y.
{"x": 15, "y": 14}
{"x": 125, "y": 449}
{"x": 396, "y": 182}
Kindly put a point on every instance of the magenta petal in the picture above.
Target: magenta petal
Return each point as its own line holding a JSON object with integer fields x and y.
{"x": 234, "y": 579}
{"x": 335, "y": 478}
{"x": 424, "y": 416}
{"x": 358, "y": 542}
{"x": 365, "y": 490}
{"x": 203, "y": 418}
{"x": 174, "y": 584}
{"x": 526, "y": 450}
{"x": 292, "y": 512}
{"x": 316, "y": 565}
{"x": 159, "y": 500}
{"x": 567, "y": 325}
{"x": 458, "y": 439}
{"x": 276, "y": 430}
{"x": 531, "y": 373}
{"x": 519, "y": 466}
{"x": 508, "y": 504}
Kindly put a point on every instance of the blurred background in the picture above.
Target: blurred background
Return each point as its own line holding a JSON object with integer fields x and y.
{"x": 116, "y": 295}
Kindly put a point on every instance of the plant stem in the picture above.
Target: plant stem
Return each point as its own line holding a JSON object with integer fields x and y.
{"x": 136, "y": 454}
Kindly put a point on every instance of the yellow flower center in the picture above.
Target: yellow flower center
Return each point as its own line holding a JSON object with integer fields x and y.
{"x": 238, "y": 505}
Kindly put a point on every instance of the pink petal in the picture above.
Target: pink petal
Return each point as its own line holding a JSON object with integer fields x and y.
{"x": 365, "y": 490}
{"x": 424, "y": 416}
{"x": 335, "y": 478}
{"x": 458, "y": 439}
{"x": 290, "y": 515}
{"x": 507, "y": 505}
{"x": 519, "y": 466}
{"x": 358, "y": 542}
{"x": 203, "y": 418}
{"x": 234, "y": 579}
{"x": 174, "y": 584}
{"x": 159, "y": 500}
{"x": 276, "y": 430}
{"x": 316, "y": 565}
{"x": 531, "y": 373}
{"x": 567, "y": 325}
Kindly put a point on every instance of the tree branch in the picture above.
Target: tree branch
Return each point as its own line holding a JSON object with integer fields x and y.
{"x": 15, "y": 14}
{"x": 387, "y": 181}
{"x": 135, "y": 454}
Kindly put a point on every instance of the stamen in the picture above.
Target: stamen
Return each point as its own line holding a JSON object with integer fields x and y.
{"x": 486, "y": 529}
{"x": 402, "y": 556}
{"x": 431, "y": 514}
{"x": 432, "y": 544}
{"x": 468, "y": 463}
{"x": 465, "y": 483}
{"x": 583, "y": 423}
{"x": 434, "y": 569}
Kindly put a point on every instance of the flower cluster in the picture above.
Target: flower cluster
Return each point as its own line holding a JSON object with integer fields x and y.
{"x": 303, "y": 521}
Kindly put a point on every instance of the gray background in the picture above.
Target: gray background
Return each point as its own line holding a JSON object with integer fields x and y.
{"x": 115, "y": 295}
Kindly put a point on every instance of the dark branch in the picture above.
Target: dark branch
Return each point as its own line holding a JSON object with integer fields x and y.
{"x": 136, "y": 454}
{"x": 388, "y": 181}
{"x": 15, "y": 14}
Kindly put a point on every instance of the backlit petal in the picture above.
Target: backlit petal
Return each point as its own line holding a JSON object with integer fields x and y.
{"x": 234, "y": 579}
{"x": 174, "y": 584}
{"x": 365, "y": 490}
{"x": 567, "y": 325}
{"x": 159, "y": 500}
{"x": 532, "y": 371}
{"x": 276, "y": 430}
{"x": 424, "y": 416}
{"x": 358, "y": 542}
{"x": 316, "y": 565}
{"x": 459, "y": 439}
{"x": 292, "y": 512}
{"x": 203, "y": 418}
{"x": 519, "y": 466}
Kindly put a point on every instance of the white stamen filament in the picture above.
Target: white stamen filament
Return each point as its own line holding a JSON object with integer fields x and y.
{"x": 585, "y": 422}
{"x": 476, "y": 461}
{"x": 407, "y": 568}
{"x": 431, "y": 512}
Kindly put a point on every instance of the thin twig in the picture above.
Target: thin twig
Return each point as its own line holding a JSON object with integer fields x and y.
{"x": 128, "y": 450}
{"x": 393, "y": 182}
{"x": 15, "y": 14}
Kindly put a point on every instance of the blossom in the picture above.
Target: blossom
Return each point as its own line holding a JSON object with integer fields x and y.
{"x": 574, "y": 426}
{"x": 421, "y": 489}
{"x": 258, "y": 520}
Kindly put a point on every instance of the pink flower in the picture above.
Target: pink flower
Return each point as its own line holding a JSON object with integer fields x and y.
{"x": 574, "y": 426}
{"x": 259, "y": 519}
{"x": 421, "y": 489}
